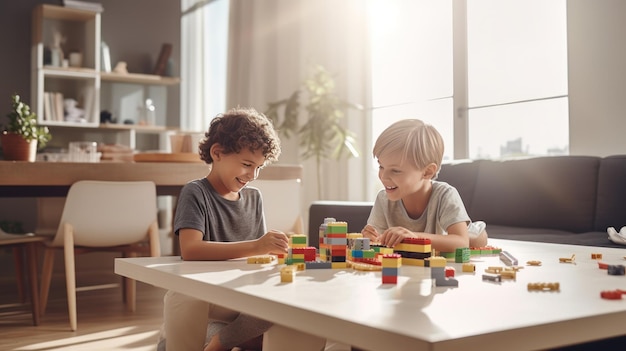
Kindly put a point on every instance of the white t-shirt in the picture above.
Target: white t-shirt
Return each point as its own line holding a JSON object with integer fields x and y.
{"x": 445, "y": 208}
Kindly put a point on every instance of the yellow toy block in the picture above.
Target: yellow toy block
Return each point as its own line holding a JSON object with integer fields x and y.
{"x": 469, "y": 267}
{"x": 392, "y": 262}
{"x": 261, "y": 259}
{"x": 287, "y": 274}
{"x": 413, "y": 247}
{"x": 412, "y": 262}
{"x": 337, "y": 265}
{"x": 437, "y": 261}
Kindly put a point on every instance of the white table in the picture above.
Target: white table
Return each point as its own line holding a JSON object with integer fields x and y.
{"x": 355, "y": 308}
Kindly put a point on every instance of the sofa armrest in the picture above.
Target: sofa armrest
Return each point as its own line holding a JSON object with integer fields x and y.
{"x": 355, "y": 213}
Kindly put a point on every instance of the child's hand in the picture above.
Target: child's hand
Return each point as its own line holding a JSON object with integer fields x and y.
{"x": 371, "y": 233}
{"x": 394, "y": 235}
{"x": 274, "y": 242}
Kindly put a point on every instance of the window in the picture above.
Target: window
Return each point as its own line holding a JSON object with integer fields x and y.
{"x": 517, "y": 78}
{"x": 516, "y": 73}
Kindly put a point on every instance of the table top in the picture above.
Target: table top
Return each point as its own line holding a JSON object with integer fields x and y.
{"x": 355, "y": 308}
{"x": 55, "y": 178}
{"x": 14, "y": 239}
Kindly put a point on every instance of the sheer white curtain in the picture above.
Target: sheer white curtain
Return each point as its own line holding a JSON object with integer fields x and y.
{"x": 273, "y": 44}
{"x": 204, "y": 56}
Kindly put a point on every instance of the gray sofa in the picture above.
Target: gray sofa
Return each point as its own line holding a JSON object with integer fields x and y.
{"x": 555, "y": 199}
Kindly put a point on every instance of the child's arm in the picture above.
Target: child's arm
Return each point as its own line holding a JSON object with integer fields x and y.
{"x": 457, "y": 237}
{"x": 193, "y": 248}
{"x": 480, "y": 240}
{"x": 370, "y": 232}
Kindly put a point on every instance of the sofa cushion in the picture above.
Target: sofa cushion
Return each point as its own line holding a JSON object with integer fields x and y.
{"x": 461, "y": 175}
{"x": 611, "y": 206}
{"x": 557, "y": 192}
{"x": 551, "y": 236}
{"x": 355, "y": 213}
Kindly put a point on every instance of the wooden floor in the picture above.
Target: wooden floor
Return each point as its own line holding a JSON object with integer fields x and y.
{"x": 103, "y": 322}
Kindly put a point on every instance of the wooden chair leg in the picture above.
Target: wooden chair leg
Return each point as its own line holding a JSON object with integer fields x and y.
{"x": 31, "y": 255}
{"x": 19, "y": 273}
{"x": 70, "y": 274}
{"x": 46, "y": 277}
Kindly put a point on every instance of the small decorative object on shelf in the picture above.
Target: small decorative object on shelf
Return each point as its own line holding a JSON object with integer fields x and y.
{"x": 164, "y": 56}
{"x": 22, "y": 136}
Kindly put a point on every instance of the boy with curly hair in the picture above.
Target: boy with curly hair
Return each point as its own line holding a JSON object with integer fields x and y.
{"x": 209, "y": 226}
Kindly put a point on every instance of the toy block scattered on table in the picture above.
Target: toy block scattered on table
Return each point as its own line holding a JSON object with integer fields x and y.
{"x": 596, "y": 256}
{"x": 543, "y": 286}
{"x": 469, "y": 267}
{"x": 260, "y": 259}
{"x": 508, "y": 259}
{"x": 492, "y": 277}
{"x": 616, "y": 269}
{"x": 287, "y": 274}
{"x": 568, "y": 259}
{"x": 612, "y": 294}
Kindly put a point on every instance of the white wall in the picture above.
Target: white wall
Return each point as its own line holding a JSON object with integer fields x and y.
{"x": 597, "y": 76}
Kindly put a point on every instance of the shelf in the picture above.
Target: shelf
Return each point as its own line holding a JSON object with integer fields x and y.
{"x": 69, "y": 124}
{"x": 113, "y": 127}
{"x": 70, "y": 72}
{"x": 136, "y": 127}
{"x": 137, "y": 78}
{"x": 66, "y": 13}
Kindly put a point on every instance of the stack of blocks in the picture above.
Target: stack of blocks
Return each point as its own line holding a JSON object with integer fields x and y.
{"x": 391, "y": 266}
{"x": 360, "y": 251}
{"x": 437, "y": 266}
{"x": 334, "y": 242}
{"x": 299, "y": 251}
{"x": 414, "y": 251}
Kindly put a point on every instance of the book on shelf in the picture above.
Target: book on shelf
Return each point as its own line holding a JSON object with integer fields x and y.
{"x": 53, "y": 109}
{"x": 83, "y": 5}
{"x": 88, "y": 103}
{"x": 164, "y": 56}
{"x": 60, "y": 111}
{"x": 47, "y": 107}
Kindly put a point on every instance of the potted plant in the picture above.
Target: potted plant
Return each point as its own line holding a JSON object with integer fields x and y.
{"x": 317, "y": 124}
{"x": 22, "y": 136}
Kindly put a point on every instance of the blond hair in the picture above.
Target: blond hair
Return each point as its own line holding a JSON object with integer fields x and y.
{"x": 419, "y": 143}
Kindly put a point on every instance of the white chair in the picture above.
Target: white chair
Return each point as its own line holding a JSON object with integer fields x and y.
{"x": 103, "y": 216}
{"x": 281, "y": 188}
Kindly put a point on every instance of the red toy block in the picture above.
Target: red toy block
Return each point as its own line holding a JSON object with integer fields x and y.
{"x": 394, "y": 255}
{"x": 418, "y": 241}
{"x": 611, "y": 294}
{"x": 449, "y": 272}
{"x": 390, "y": 279}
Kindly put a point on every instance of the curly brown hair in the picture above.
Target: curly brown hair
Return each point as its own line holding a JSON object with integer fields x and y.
{"x": 241, "y": 128}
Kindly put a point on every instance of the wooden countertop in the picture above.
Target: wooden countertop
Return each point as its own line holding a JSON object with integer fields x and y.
{"x": 54, "y": 178}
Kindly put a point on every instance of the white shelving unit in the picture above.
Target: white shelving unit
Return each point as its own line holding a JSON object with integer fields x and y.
{"x": 80, "y": 30}
{"x": 86, "y": 84}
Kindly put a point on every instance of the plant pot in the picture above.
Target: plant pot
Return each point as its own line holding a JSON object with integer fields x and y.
{"x": 16, "y": 148}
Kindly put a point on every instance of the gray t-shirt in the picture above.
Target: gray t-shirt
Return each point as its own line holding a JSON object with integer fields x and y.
{"x": 200, "y": 207}
{"x": 445, "y": 207}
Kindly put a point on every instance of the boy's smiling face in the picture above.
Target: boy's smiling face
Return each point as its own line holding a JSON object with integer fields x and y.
{"x": 399, "y": 177}
{"x": 232, "y": 172}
